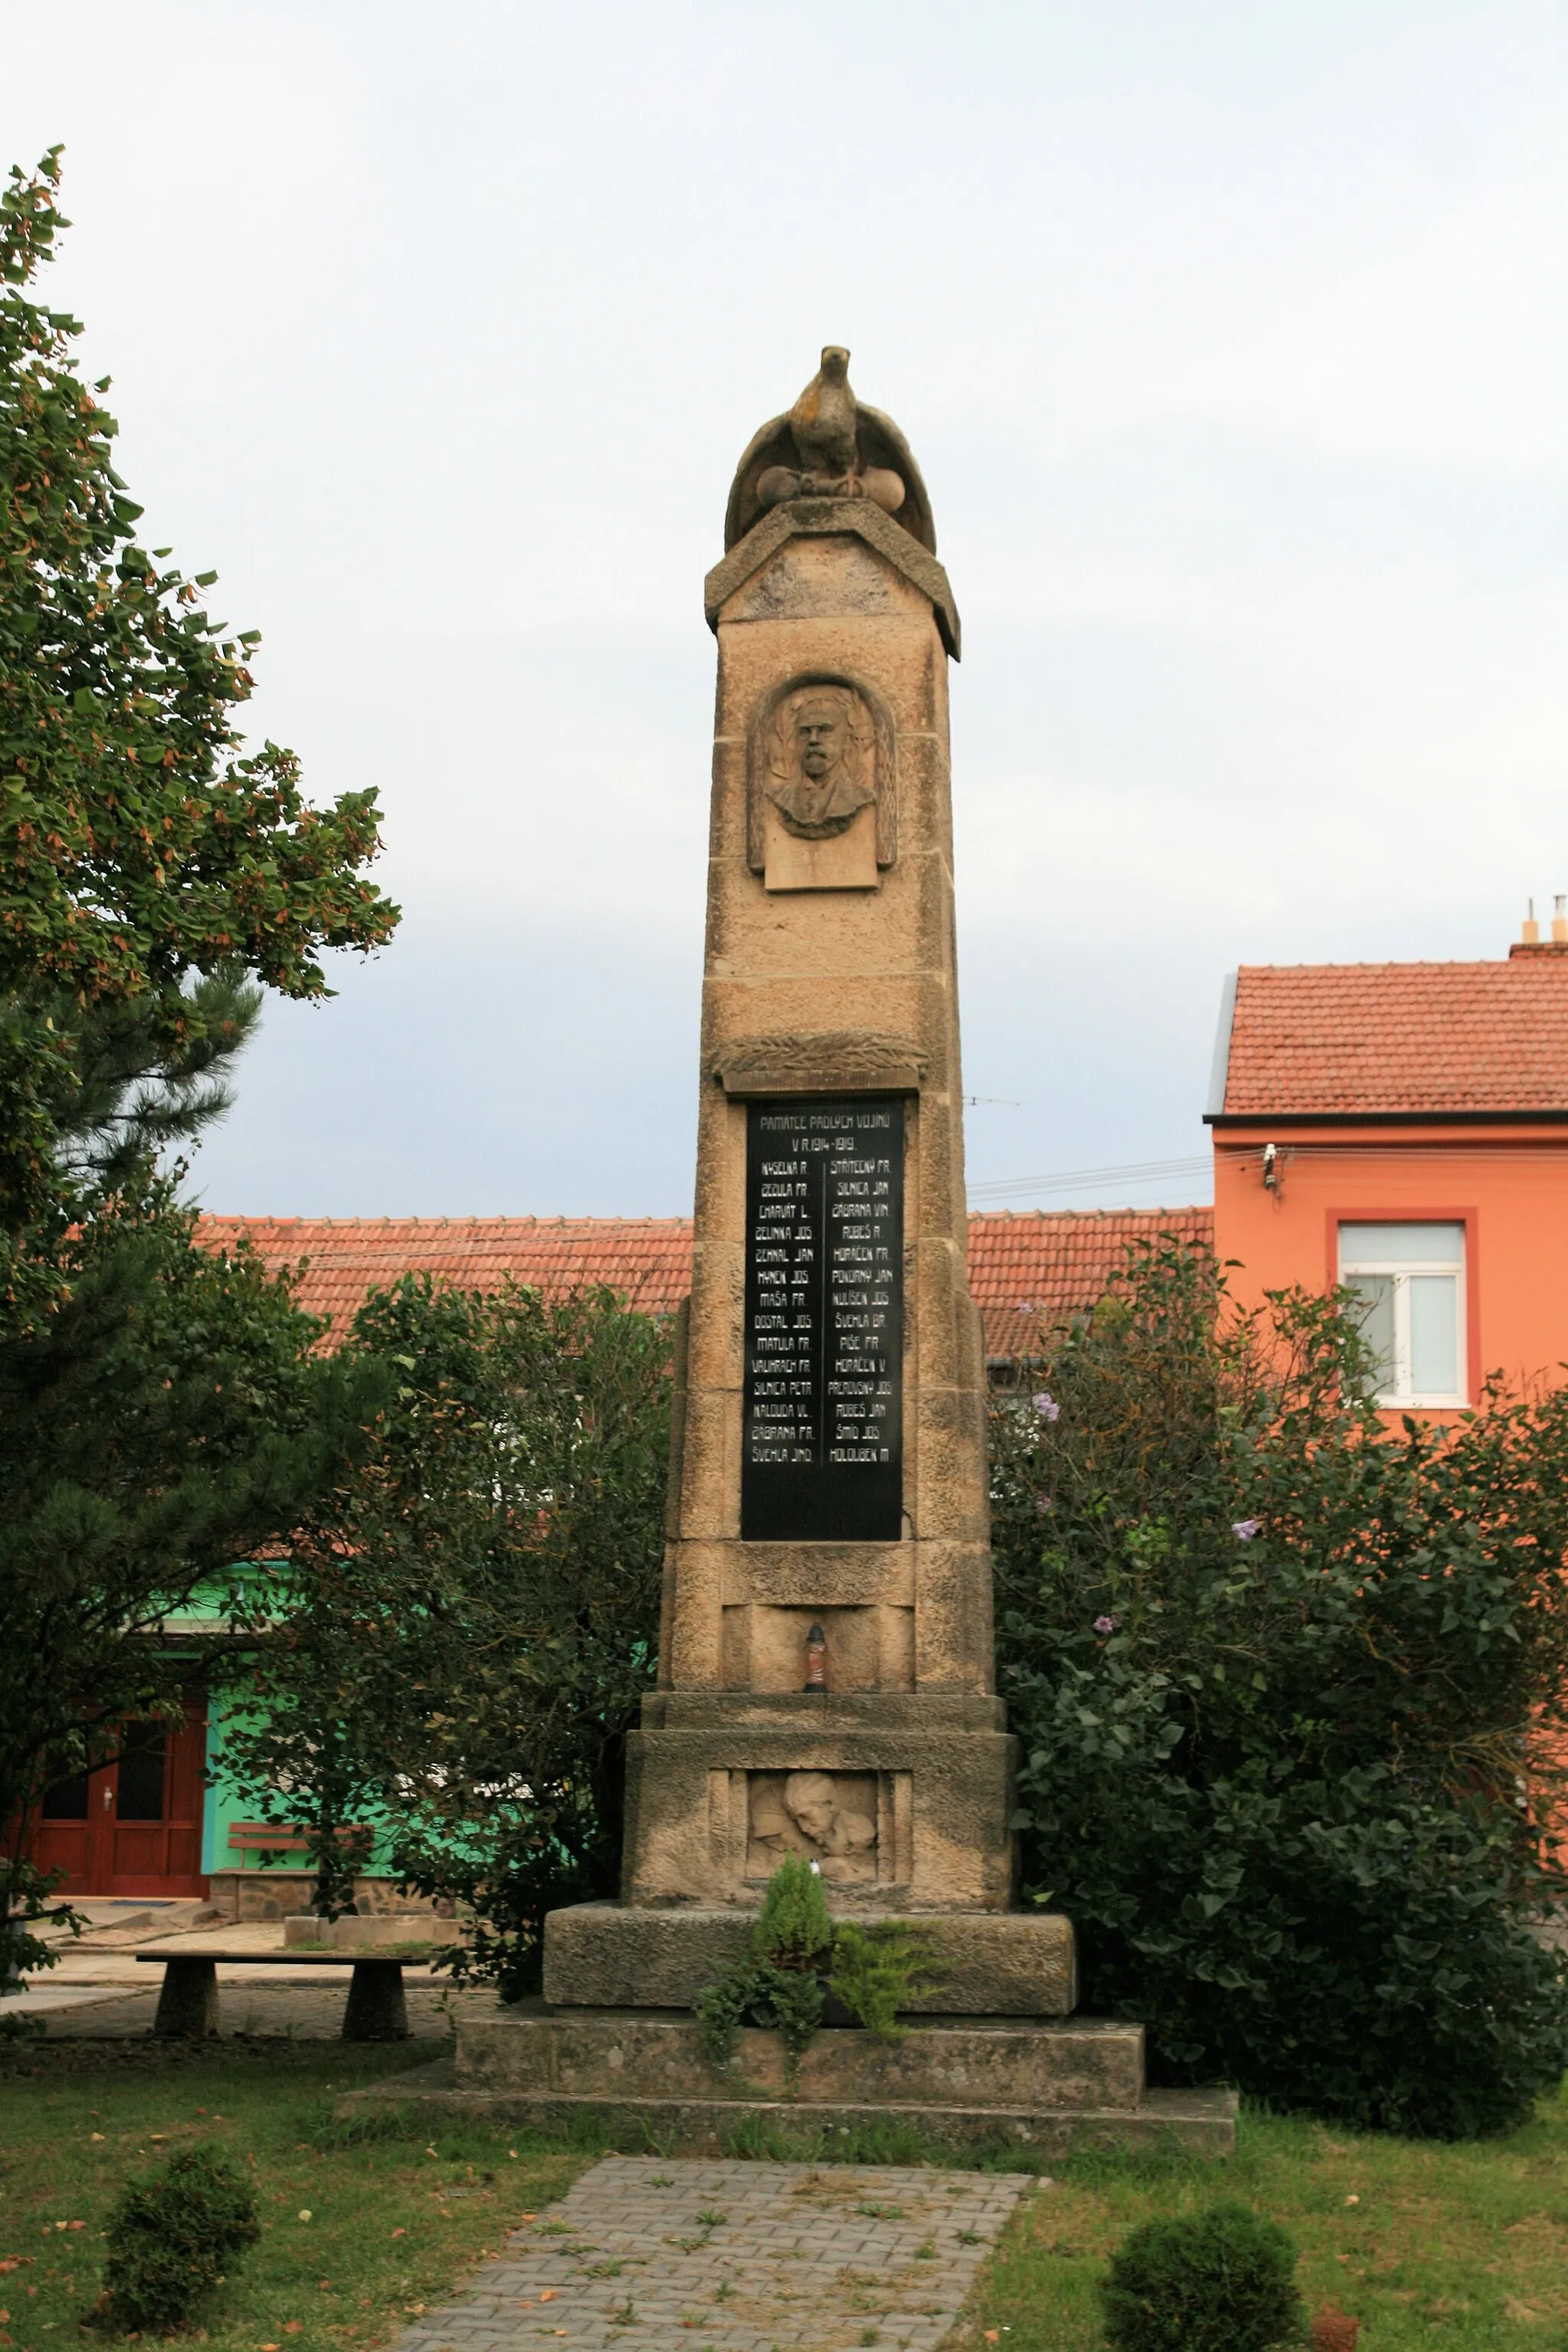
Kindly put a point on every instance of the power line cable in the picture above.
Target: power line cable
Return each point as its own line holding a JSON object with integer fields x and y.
{"x": 1136, "y": 1171}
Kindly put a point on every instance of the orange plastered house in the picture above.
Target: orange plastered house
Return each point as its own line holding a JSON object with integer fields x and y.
{"x": 1403, "y": 1127}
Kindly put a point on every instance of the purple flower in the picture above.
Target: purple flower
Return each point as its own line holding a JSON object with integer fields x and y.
{"x": 1043, "y": 1503}
{"x": 1245, "y": 1528}
{"x": 1105, "y": 1624}
{"x": 1046, "y": 1406}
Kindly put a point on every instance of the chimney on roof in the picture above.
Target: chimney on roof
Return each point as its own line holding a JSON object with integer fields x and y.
{"x": 1531, "y": 944}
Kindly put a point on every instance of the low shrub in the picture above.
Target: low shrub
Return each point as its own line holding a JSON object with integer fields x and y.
{"x": 798, "y": 1955}
{"x": 778, "y": 1984}
{"x": 172, "y": 2236}
{"x": 1222, "y": 2281}
{"x": 875, "y": 1970}
{"x": 794, "y": 1929}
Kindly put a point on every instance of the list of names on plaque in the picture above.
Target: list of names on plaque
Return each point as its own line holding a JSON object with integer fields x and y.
{"x": 823, "y": 1448}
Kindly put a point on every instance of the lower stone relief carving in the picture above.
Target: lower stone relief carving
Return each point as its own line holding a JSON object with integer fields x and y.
{"x": 829, "y": 1817}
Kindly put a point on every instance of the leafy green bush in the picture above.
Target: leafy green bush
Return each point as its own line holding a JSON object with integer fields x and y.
{"x": 465, "y": 1630}
{"x": 170, "y": 2236}
{"x": 1291, "y": 1690}
{"x": 758, "y": 1992}
{"x": 778, "y": 1983}
{"x": 1224, "y": 2281}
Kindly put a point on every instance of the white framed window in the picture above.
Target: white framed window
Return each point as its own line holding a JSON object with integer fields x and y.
{"x": 1412, "y": 1278}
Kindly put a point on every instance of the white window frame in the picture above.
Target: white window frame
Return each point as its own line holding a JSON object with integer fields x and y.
{"x": 1403, "y": 1394}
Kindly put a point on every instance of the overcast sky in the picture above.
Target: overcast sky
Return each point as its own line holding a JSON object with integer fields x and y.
{"x": 1233, "y": 343}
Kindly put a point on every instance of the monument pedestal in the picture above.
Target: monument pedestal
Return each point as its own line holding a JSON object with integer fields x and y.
{"x": 715, "y": 1783}
{"x": 956, "y": 2085}
{"x": 600, "y": 1955}
{"x": 826, "y": 1678}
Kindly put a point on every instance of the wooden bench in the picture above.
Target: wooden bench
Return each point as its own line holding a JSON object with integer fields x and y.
{"x": 376, "y": 2009}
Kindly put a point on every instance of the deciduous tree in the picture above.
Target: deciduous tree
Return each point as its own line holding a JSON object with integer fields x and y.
{"x": 141, "y": 844}
{"x": 459, "y": 1641}
{"x": 1291, "y": 1686}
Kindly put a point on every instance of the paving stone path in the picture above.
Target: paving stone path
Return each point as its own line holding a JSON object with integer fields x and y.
{"x": 651, "y": 2255}
{"x": 306, "y": 2012}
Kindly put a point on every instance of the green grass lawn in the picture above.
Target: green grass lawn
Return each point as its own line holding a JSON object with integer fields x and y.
{"x": 391, "y": 2226}
{"x": 1454, "y": 2247}
{"x": 1461, "y": 2248}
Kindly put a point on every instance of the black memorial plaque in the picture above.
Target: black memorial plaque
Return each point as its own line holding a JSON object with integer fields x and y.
{"x": 822, "y": 1446}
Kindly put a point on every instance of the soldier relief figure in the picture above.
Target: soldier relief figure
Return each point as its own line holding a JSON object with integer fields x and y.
{"x": 821, "y": 757}
{"x": 831, "y": 1817}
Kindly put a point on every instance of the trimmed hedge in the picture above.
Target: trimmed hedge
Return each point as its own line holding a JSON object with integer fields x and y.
{"x": 172, "y": 2237}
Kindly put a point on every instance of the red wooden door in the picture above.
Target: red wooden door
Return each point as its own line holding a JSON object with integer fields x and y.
{"x": 135, "y": 1826}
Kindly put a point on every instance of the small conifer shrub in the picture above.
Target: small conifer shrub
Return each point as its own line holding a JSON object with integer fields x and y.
{"x": 1221, "y": 2280}
{"x": 777, "y": 1984}
{"x": 877, "y": 1970}
{"x": 796, "y": 1955}
{"x": 794, "y": 1930}
{"x": 172, "y": 2237}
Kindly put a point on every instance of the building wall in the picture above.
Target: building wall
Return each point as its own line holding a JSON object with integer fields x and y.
{"x": 241, "y": 1885}
{"x": 1508, "y": 1184}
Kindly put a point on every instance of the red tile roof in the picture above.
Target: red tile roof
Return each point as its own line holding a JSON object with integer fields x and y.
{"x": 648, "y": 1259}
{"x": 1408, "y": 1038}
{"x": 1028, "y": 1273}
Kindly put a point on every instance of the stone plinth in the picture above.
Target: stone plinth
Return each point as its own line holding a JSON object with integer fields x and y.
{"x": 978, "y": 2062}
{"x": 605, "y": 1956}
{"x": 937, "y": 1768}
{"x": 961, "y": 2084}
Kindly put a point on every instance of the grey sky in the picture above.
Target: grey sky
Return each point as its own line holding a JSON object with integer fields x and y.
{"x": 1232, "y": 341}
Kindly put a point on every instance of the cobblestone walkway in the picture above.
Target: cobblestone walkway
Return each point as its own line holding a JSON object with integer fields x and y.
{"x": 650, "y": 2255}
{"x": 305, "y": 2012}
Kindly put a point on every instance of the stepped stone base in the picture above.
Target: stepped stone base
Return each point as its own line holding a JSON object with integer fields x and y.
{"x": 1203, "y": 2121}
{"x": 993, "y": 1964}
{"x": 970, "y": 2062}
{"x": 958, "y": 2083}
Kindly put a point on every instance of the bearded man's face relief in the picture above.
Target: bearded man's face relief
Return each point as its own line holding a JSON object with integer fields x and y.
{"x": 818, "y": 759}
{"x": 818, "y": 738}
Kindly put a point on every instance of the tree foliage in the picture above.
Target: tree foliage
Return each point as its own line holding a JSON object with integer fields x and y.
{"x": 464, "y": 1629}
{"x": 1292, "y": 1687}
{"x": 140, "y": 845}
{"x": 161, "y": 1412}
{"x": 166, "y": 1418}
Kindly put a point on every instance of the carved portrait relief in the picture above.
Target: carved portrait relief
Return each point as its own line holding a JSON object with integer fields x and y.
{"x": 829, "y": 1817}
{"x": 821, "y": 756}
{"x": 821, "y": 788}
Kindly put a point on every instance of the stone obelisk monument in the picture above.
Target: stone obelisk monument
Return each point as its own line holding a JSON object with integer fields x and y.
{"x": 825, "y": 1659}
{"x": 831, "y": 1464}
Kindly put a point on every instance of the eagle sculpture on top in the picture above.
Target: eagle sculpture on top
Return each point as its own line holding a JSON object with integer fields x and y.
{"x": 825, "y": 420}
{"x": 830, "y": 446}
